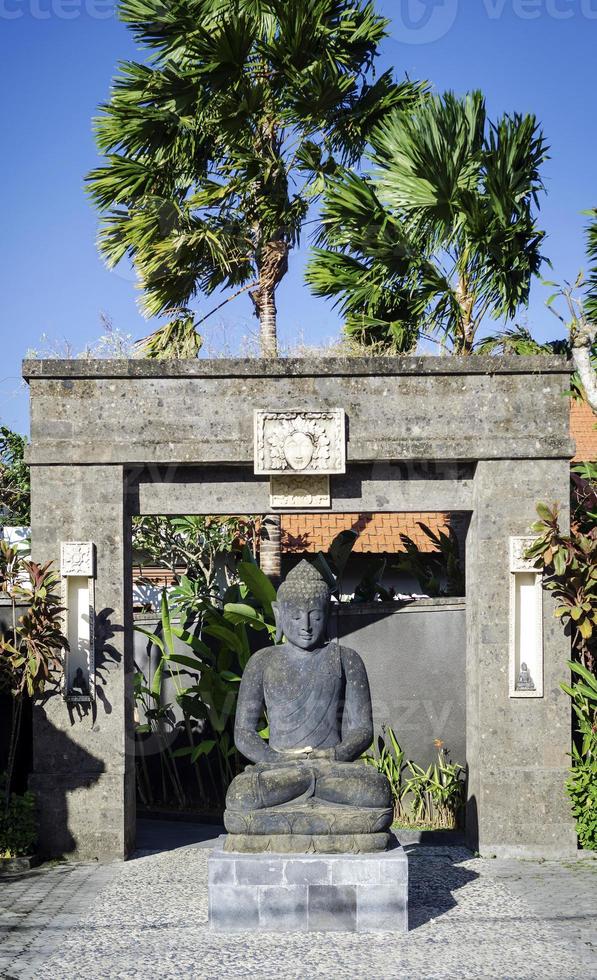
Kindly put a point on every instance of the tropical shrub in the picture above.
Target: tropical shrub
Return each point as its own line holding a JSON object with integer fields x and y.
{"x": 220, "y": 639}
{"x": 197, "y": 544}
{"x": 30, "y": 652}
{"x": 18, "y": 825}
{"x": 582, "y": 784}
{"x": 15, "y": 492}
{"x": 569, "y": 564}
{"x": 440, "y": 573}
{"x": 432, "y": 798}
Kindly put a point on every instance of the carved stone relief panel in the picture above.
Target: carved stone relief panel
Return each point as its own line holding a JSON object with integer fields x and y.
{"x": 309, "y": 443}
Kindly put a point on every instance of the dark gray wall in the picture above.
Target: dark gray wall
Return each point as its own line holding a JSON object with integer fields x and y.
{"x": 416, "y": 662}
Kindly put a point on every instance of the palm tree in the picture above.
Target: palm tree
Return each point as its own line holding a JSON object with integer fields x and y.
{"x": 216, "y": 149}
{"x": 441, "y": 233}
{"x": 578, "y": 300}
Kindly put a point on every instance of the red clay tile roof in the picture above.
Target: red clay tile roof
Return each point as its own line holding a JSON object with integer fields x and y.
{"x": 378, "y": 533}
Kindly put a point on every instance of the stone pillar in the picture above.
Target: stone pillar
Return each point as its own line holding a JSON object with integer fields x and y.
{"x": 84, "y": 761}
{"x": 516, "y": 748}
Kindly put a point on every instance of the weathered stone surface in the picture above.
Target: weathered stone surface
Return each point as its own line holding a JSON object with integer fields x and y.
{"x": 309, "y": 893}
{"x": 383, "y": 486}
{"x": 293, "y": 367}
{"x": 517, "y": 749}
{"x": 307, "y": 843}
{"x": 311, "y": 819}
{"x": 84, "y": 756}
{"x": 137, "y": 412}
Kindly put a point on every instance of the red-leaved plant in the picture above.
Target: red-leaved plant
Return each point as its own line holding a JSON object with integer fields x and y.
{"x": 30, "y": 650}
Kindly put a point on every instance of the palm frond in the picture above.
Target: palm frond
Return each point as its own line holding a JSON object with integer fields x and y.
{"x": 446, "y": 221}
{"x": 216, "y": 147}
{"x": 591, "y": 297}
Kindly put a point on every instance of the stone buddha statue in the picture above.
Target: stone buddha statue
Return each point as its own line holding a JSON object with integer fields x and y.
{"x": 306, "y": 791}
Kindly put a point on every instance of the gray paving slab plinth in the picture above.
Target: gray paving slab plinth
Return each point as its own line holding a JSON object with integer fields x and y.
{"x": 308, "y": 892}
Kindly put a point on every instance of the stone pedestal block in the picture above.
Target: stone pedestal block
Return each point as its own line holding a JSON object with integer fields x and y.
{"x": 308, "y": 892}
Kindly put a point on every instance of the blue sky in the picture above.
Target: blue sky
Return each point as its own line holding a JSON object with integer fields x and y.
{"x": 57, "y": 58}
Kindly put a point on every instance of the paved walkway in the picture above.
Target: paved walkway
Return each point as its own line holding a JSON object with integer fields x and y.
{"x": 147, "y": 918}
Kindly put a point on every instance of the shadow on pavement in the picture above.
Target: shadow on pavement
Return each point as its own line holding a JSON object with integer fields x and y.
{"x": 154, "y": 836}
{"x": 434, "y": 874}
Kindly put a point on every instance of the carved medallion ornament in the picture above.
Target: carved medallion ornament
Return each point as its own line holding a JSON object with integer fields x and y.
{"x": 308, "y": 443}
{"x": 76, "y": 558}
{"x": 518, "y": 548}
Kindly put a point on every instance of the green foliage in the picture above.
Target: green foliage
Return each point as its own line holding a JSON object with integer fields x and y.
{"x": 431, "y": 569}
{"x": 569, "y": 564}
{"x": 443, "y": 230}
{"x": 333, "y": 565}
{"x": 582, "y": 784}
{"x": 178, "y": 338}
{"x": 370, "y": 587}
{"x": 18, "y": 825}
{"x": 206, "y": 680}
{"x": 591, "y": 296}
{"x": 194, "y": 543}
{"x": 15, "y": 488}
{"x": 433, "y": 797}
{"x": 215, "y": 149}
{"x": 30, "y": 651}
{"x": 518, "y": 340}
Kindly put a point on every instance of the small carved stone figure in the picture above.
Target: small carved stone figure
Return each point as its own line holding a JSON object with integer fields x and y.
{"x": 525, "y": 681}
{"x": 306, "y": 791}
{"x": 79, "y": 685}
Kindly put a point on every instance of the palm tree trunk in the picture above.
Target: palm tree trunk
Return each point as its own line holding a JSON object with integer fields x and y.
{"x": 466, "y": 302}
{"x": 272, "y": 268}
{"x": 268, "y": 333}
{"x": 270, "y": 552}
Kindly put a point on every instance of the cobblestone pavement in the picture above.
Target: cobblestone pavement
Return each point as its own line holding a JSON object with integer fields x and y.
{"x": 147, "y": 918}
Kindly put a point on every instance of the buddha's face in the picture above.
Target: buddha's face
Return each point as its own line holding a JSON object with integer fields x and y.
{"x": 304, "y": 625}
{"x": 298, "y": 450}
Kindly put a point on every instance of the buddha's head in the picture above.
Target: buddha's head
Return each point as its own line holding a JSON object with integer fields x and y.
{"x": 298, "y": 450}
{"x": 302, "y": 609}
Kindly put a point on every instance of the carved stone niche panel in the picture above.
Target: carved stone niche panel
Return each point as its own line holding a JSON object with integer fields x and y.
{"x": 295, "y": 491}
{"x": 308, "y": 443}
{"x": 526, "y": 622}
{"x": 77, "y": 567}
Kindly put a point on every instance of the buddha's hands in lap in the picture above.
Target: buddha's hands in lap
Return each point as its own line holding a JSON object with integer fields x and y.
{"x": 323, "y": 754}
{"x": 308, "y": 754}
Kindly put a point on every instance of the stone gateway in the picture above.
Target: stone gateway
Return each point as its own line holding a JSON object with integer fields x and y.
{"x": 486, "y": 436}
